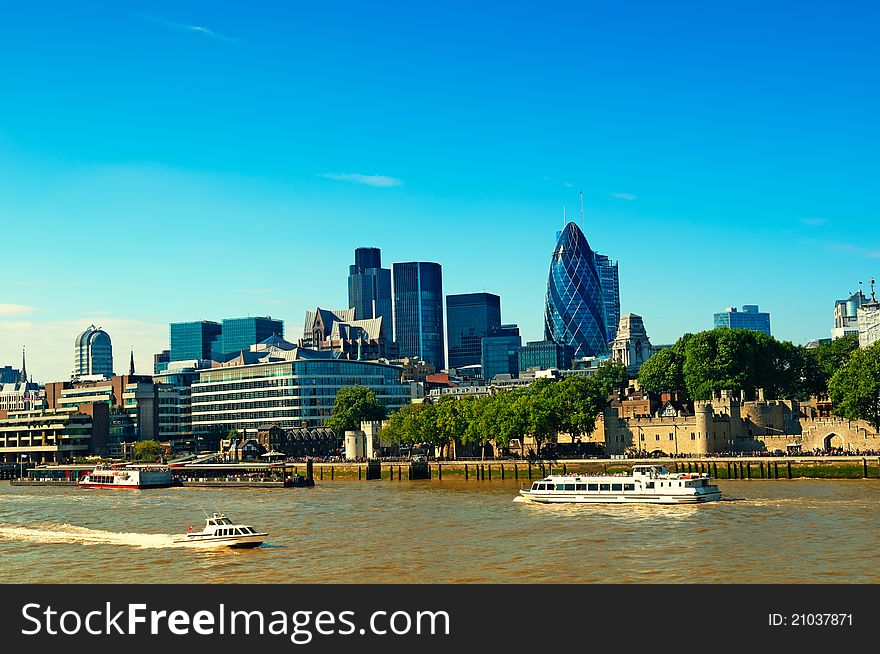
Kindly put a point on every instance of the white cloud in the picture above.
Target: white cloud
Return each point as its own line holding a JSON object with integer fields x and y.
{"x": 183, "y": 27}
{"x": 813, "y": 222}
{"x": 358, "y": 178}
{"x": 568, "y": 184}
{"x": 623, "y": 196}
{"x": 856, "y": 249}
{"x": 15, "y": 310}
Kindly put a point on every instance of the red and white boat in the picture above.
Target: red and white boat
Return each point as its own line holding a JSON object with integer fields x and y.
{"x": 129, "y": 476}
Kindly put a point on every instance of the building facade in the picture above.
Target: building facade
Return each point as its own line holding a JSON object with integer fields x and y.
{"x": 631, "y": 347}
{"x": 609, "y": 280}
{"x": 418, "y": 311}
{"x": 336, "y": 330}
{"x": 290, "y": 388}
{"x": 846, "y": 315}
{"x": 869, "y": 322}
{"x": 53, "y": 435}
{"x": 237, "y": 334}
{"x": 749, "y": 318}
{"x": 92, "y": 354}
{"x": 194, "y": 340}
{"x": 369, "y": 288}
{"x": 574, "y": 309}
{"x": 500, "y": 352}
{"x": 545, "y": 355}
{"x": 470, "y": 317}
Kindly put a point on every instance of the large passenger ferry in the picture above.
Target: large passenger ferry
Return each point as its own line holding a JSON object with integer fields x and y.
{"x": 648, "y": 484}
{"x": 130, "y": 476}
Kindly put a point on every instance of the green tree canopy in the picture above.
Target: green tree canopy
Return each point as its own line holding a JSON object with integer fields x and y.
{"x": 855, "y": 387}
{"x": 353, "y": 405}
{"x": 147, "y": 451}
{"x": 822, "y": 362}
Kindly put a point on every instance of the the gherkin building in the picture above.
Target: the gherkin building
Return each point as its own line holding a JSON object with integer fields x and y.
{"x": 574, "y": 311}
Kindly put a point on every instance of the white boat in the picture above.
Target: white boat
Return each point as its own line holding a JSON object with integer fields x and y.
{"x": 128, "y": 476}
{"x": 648, "y": 484}
{"x": 220, "y": 531}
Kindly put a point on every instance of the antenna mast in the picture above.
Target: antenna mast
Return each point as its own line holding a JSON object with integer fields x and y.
{"x": 581, "y": 198}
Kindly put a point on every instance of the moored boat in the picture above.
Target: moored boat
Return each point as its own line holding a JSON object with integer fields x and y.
{"x": 128, "y": 476}
{"x": 220, "y": 531}
{"x": 648, "y": 484}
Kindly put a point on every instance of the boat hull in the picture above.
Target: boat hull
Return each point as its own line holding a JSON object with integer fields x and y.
{"x": 129, "y": 486}
{"x": 623, "y": 498}
{"x": 246, "y": 541}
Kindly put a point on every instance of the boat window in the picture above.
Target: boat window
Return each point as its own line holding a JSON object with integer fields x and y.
{"x": 580, "y": 487}
{"x": 629, "y": 487}
{"x": 650, "y": 484}
{"x": 550, "y": 486}
{"x": 569, "y": 487}
{"x": 535, "y": 486}
{"x": 542, "y": 487}
{"x": 617, "y": 487}
{"x": 237, "y": 532}
{"x": 592, "y": 487}
{"x": 604, "y": 486}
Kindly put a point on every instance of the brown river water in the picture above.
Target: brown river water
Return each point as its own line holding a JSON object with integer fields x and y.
{"x": 444, "y": 531}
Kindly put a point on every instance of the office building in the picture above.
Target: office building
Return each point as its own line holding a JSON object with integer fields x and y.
{"x": 195, "y": 340}
{"x": 545, "y": 355}
{"x": 92, "y": 354}
{"x": 610, "y": 283}
{"x": 9, "y": 375}
{"x": 869, "y": 320}
{"x": 470, "y": 317}
{"x": 418, "y": 311}
{"x": 239, "y": 334}
{"x": 846, "y": 315}
{"x": 53, "y": 435}
{"x": 369, "y": 288}
{"x": 161, "y": 361}
{"x": 289, "y": 386}
{"x": 574, "y": 309}
{"x": 500, "y": 352}
{"x": 749, "y": 318}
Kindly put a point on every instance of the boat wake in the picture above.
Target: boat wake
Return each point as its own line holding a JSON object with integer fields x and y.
{"x": 84, "y": 536}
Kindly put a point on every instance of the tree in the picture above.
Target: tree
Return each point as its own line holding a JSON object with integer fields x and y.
{"x": 354, "y": 404}
{"x": 610, "y": 377}
{"x": 855, "y": 387}
{"x": 822, "y": 362}
{"x": 663, "y": 372}
{"x": 147, "y": 451}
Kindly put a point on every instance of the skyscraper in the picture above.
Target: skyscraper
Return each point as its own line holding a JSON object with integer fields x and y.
{"x": 418, "y": 311}
{"x": 239, "y": 334}
{"x": 610, "y": 283}
{"x": 369, "y": 288}
{"x": 194, "y": 340}
{"x": 469, "y": 317}
{"x": 92, "y": 353}
{"x": 500, "y": 352}
{"x": 574, "y": 311}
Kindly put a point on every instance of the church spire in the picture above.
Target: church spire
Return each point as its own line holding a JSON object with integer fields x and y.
{"x": 131, "y": 364}
{"x": 23, "y": 378}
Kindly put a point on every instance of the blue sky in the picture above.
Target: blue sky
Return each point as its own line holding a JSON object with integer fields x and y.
{"x": 168, "y": 161}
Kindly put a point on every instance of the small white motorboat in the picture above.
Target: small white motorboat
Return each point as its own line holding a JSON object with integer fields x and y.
{"x": 220, "y": 531}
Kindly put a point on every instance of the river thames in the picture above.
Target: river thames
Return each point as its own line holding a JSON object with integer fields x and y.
{"x": 797, "y": 531}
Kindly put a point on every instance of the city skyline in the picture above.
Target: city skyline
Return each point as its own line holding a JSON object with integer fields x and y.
{"x": 144, "y": 139}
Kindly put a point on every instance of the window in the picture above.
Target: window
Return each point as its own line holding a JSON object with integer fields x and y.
{"x": 535, "y": 486}
{"x": 580, "y": 487}
{"x": 629, "y": 487}
{"x": 617, "y": 487}
{"x": 541, "y": 486}
{"x": 671, "y": 437}
{"x": 550, "y": 486}
{"x": 604, "y": 487}
{"x": 693, "y": 436}
{"x": 657, "y": 437}
{"x": 650, "y": 484}
{"x": 569, "y": 487}
{"x": 592, "y": 487}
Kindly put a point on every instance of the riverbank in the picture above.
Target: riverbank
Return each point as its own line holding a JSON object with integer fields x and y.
{"x": 523, "y": 471}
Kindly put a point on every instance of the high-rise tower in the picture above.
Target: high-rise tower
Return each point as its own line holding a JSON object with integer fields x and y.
{"x": 369, "y": 288}
{"x": 574, "y": 310}
{"x": 418, "y": 311}
{"x": 93, "y": 353}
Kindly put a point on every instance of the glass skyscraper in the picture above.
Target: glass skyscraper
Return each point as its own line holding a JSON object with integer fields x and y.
{"x": 610, "y": 283}
{"x": 574, "y": 311}
{"x": 500, "y": 352}
{"x": 470, "y": 317}
{"x": 93, "y": 353}
{"x": 194, "y": 340}
{"x": 369, "y": 288}
{"x": 418, "y": 311}
{"x": 239, "y": 334}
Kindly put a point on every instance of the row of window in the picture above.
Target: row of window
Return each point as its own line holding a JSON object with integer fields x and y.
{"x": 584, "y": 487}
